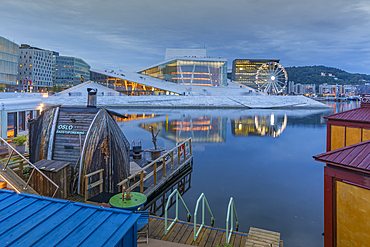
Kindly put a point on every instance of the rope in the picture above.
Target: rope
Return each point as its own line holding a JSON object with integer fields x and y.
{"x": 88, "y": 190}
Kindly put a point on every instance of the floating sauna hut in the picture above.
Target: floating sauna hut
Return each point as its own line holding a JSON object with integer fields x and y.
{"x": 86, "y": 137}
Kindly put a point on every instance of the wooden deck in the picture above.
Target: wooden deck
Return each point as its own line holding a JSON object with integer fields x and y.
{"x": 170, "y": 173}
{"x": 183, "y": 232}
{"x": 155, "y": 175}
{"x": 259, "y": 238}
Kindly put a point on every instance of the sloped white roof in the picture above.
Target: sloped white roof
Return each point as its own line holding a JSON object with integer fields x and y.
{"x": 232, "y": 89}
{"x": 81, "y": 89}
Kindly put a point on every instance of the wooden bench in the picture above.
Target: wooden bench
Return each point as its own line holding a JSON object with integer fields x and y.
{"x": 263, "y": 238}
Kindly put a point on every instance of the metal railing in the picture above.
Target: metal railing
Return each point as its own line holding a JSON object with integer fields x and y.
{"x": 33, "y": 166}
{"x": 166, "y": 230}
{"x": 204, "y": 200}
{"x": 181, "y": 149}
{"x": 231, "y": 206}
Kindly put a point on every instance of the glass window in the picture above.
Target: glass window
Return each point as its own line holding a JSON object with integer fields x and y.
{"x": 21, "y": 121}
{"x": 11, "y": 128}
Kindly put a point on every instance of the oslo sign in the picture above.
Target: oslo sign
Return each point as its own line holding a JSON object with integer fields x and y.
{"x": 68, "y": 129}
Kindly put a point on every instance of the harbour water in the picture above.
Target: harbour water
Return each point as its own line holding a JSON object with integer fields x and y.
{"x": 261, "y": 158}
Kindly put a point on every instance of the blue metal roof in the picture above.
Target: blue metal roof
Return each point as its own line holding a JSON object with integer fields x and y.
{"x": 27, "y": 220}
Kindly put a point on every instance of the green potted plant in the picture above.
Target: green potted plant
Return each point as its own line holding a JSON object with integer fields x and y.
{"x": 20, "y": 143}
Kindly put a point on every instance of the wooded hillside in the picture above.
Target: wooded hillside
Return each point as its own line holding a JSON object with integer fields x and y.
{"x": 312, "y": 75}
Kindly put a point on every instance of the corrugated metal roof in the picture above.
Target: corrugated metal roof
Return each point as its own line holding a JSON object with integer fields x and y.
{"x": 354, "y": 115}
{"x": 27, "y": 220}
{"x": 354, "y": 156}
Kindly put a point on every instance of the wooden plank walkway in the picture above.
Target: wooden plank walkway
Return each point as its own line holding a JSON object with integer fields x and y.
{"x": 183, "y": 232}
{"x": 259, "y": 238}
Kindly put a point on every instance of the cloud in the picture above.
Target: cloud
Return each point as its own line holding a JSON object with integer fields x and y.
{"x": 134, "y": 33}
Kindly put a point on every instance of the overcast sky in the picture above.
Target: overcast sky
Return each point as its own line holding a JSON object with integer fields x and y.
{"x": 111, "y": 34}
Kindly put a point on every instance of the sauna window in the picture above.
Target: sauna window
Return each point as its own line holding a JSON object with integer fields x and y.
{"x": 38, "y": 113}
{"x": 11, "y": 128}
{"x": 22, "y": 121}
{"x": 29, "y": 115}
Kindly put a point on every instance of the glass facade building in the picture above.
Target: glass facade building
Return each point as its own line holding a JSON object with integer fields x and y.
{"x": 8, "y": 62}
{"x": 35, "y": 71}
{"x": 70, "y": 71}
{"x": 191, "y": 71}
{"x": 244, "y": 71}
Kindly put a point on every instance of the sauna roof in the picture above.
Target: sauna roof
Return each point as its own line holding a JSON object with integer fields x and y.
{"x": 356, "y": 156}
{"x": 89, "y": 109}
{"x": 51, "y": 165}
{"x": 34, "y": 220}
{"x": 355, "y": 115}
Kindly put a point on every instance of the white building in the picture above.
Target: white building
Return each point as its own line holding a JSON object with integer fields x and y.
{"x": 15, "y": 111}
{"x": 327, "y": 89}
{"x": 35, "y": 69}
{"x": 302, "y": 88}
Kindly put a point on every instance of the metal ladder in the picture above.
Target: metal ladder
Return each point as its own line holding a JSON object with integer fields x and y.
{"x": 202, "y": 198}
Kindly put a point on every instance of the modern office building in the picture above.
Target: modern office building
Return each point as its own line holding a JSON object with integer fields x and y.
{"x": 244, "y": 71}
{"x": 70, "y": 71}
{"x": 35, "y": 70}
{"x": 190, "y": 67}
{"x": 8, "y": 63}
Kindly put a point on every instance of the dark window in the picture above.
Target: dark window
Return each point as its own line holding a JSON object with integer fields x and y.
{"x": 22, "y": 121}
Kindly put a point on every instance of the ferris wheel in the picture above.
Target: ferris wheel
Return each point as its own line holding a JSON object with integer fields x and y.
{"x": 271, "y": 78}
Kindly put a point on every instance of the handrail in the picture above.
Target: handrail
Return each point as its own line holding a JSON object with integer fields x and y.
{"x": 204, "y": 199}
{"x": 169, "y": 153}
{"x": 154, "y": 161}
{"x": 34, "y": 167}
{"x": 228, "y": 235}
{"x": 166, "y": 230}
{"x": 93, "y": 185}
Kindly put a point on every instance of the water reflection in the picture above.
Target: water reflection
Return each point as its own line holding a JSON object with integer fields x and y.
{"x": 259, "y": 125}
{"x": 132, "y": 117}
{"x": 200, "y": 129}
{"x": 341, "y": 107}
{"x": 213, "y": 128}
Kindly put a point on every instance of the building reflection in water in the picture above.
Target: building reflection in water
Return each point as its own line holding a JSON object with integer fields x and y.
{"x": 340, "y": 107}
{"x": 210, "y": 129}
{"x": 259, "y": 125}
{"x": 200, "y": 129}
{"x": 132, "y": 117}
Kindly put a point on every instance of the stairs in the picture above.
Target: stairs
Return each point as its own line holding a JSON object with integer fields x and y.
{"x": 11, "y": 181}
{"x": 67, "y": 142}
